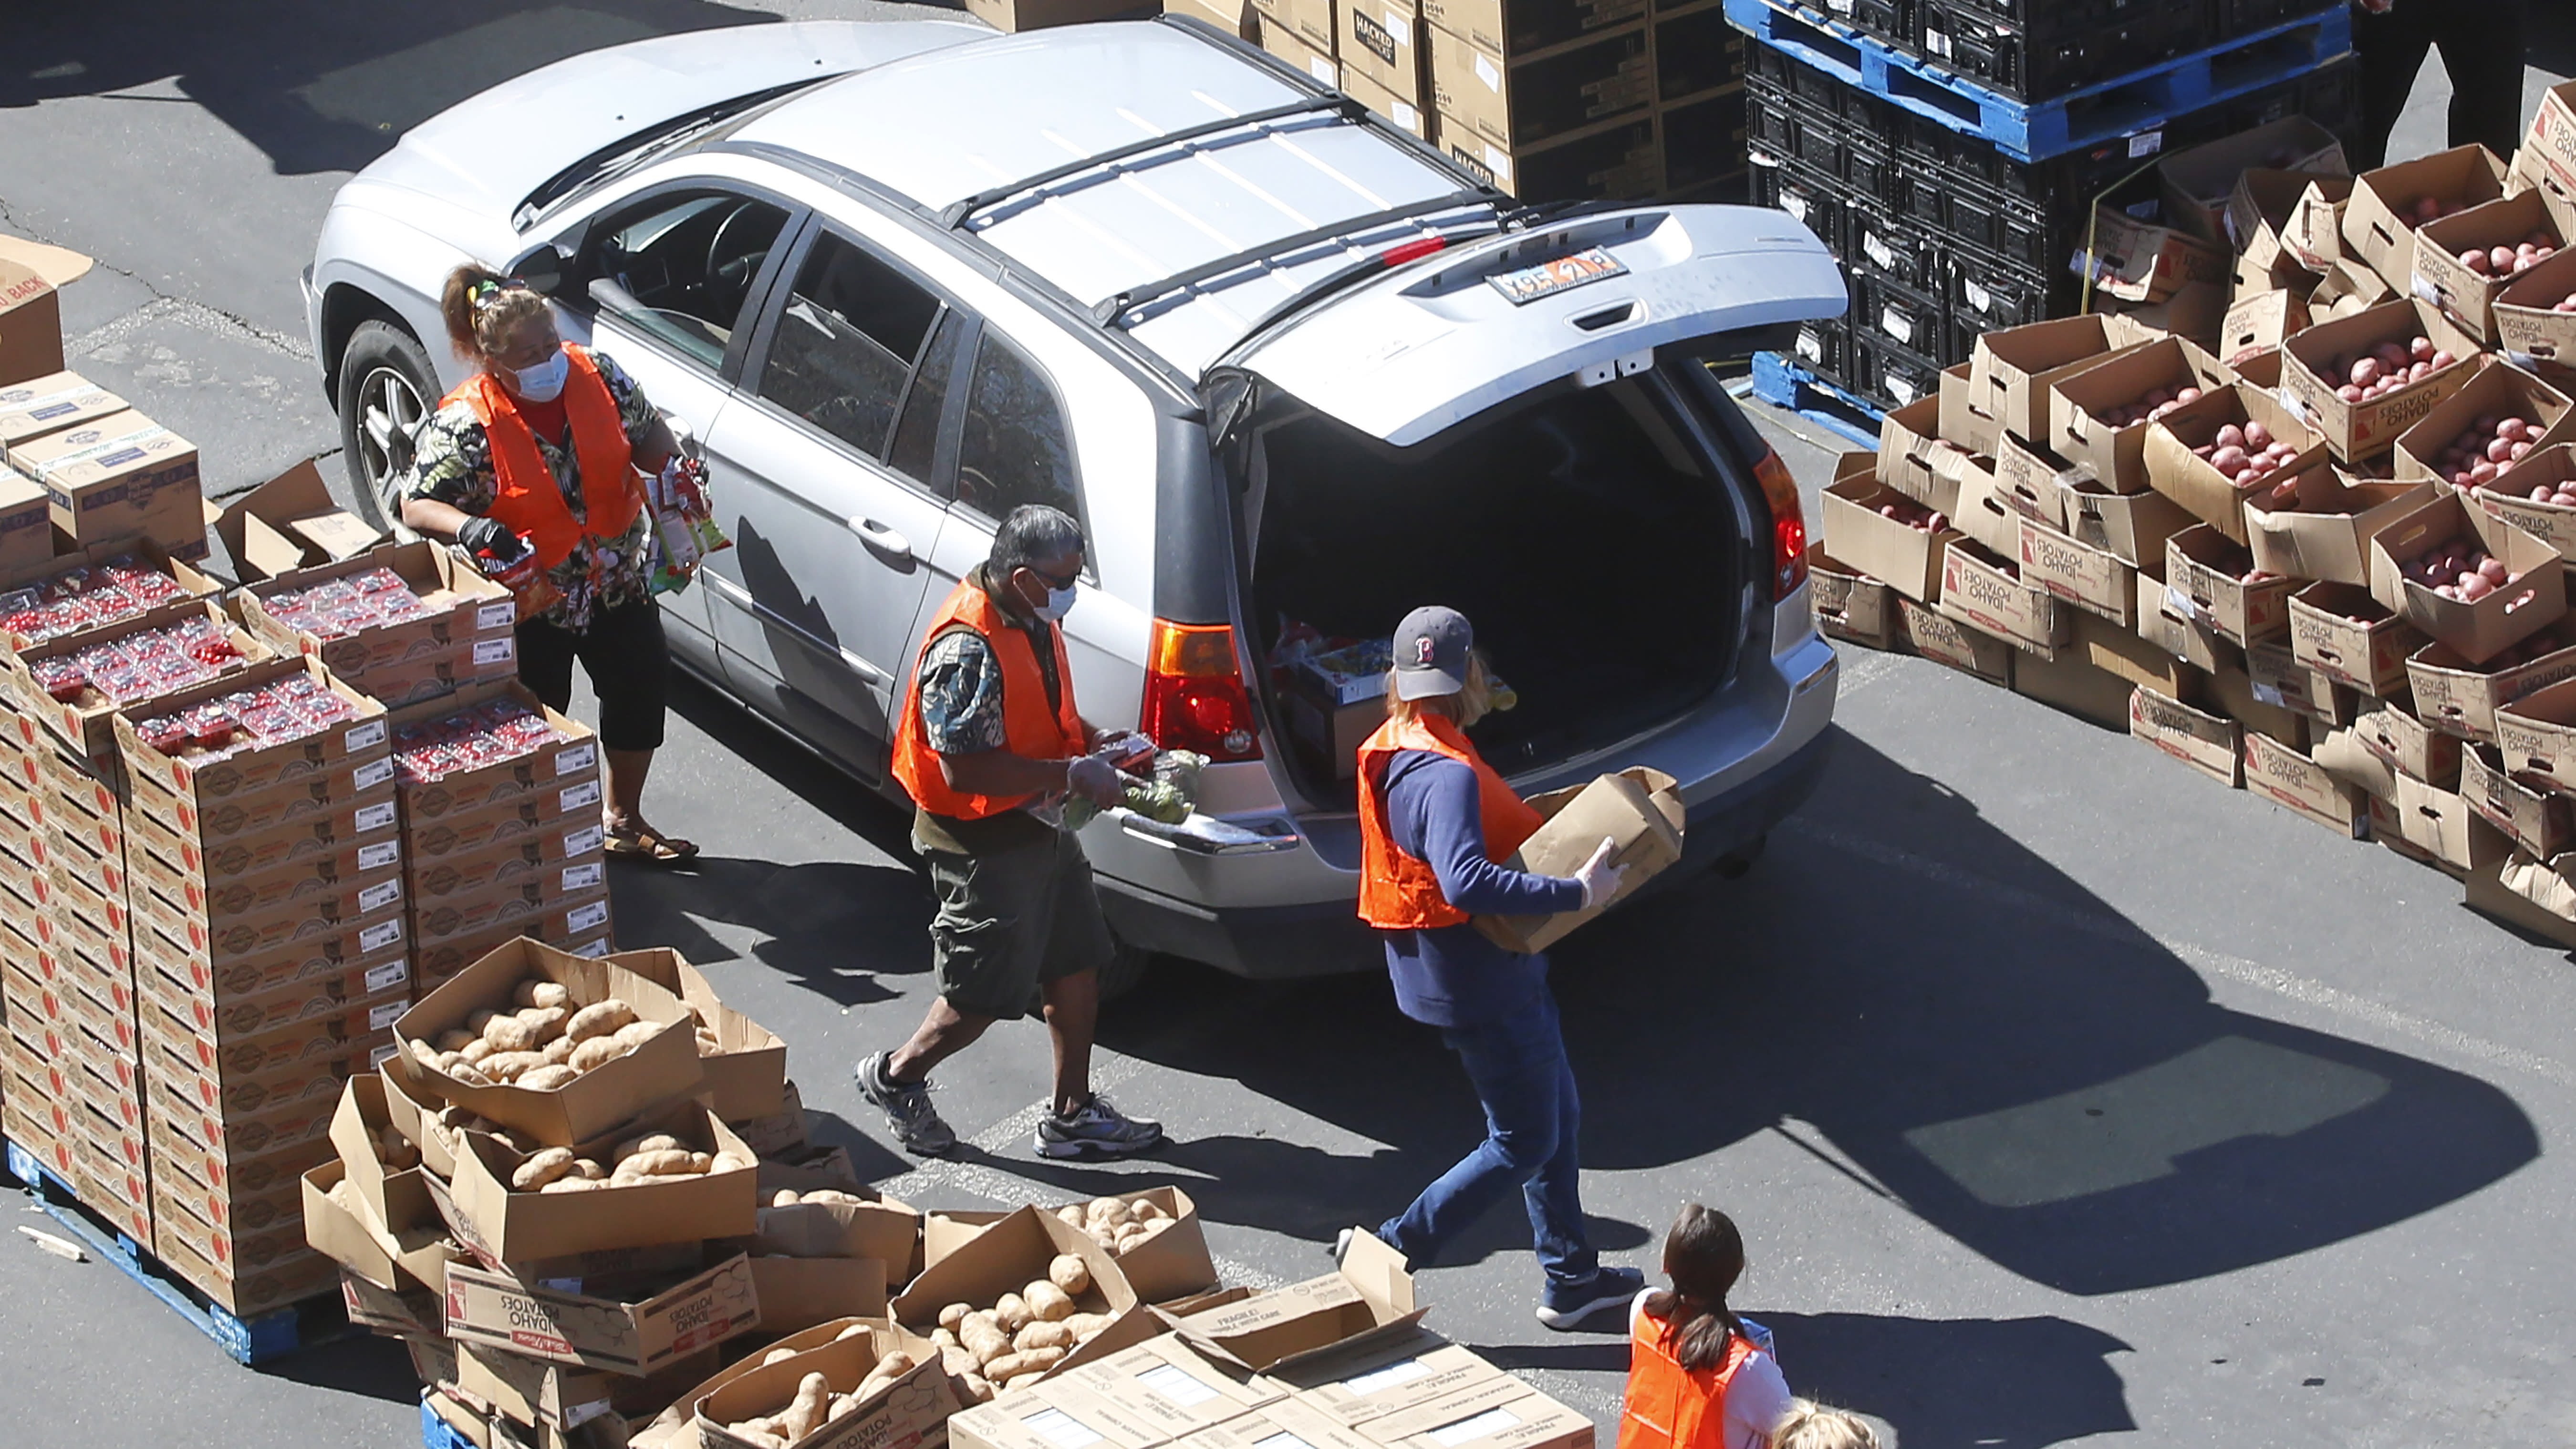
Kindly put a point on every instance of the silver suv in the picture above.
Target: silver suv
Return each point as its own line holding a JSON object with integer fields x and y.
{"x": 1295, "y": 370}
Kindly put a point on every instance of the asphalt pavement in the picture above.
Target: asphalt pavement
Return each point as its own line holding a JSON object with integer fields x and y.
{"x": 2063, "y": 1096}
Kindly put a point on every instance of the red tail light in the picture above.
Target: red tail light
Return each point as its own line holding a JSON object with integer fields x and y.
{"x": 1194, "y": 694}
{"x": 1788, "y": 525}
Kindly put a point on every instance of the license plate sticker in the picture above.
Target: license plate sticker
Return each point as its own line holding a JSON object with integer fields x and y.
{"x": 1524, "y": 285}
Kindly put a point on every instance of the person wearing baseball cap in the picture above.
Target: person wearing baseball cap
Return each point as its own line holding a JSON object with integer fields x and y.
{"x": 1436, "y": 826}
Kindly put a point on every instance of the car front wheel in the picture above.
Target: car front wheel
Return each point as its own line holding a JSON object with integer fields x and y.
{"x": 386, "y": 387}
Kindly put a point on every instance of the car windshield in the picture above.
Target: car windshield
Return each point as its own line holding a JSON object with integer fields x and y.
{"x": 626, "y": 153}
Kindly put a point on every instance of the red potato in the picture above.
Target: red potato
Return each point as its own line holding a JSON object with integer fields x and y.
{"x": 2457, "y": 569}
{"x": 2485, "y": 449}
{"x": 1914, "y": 515}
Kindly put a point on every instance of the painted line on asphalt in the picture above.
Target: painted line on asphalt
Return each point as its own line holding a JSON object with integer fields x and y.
{"x": 2238, "y": 969}
{"x": 195, "y": 315}
{"x": 1108, "y": 1069}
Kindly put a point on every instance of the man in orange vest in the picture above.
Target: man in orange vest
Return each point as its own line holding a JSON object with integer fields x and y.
{"x": 1436, "y": 825}
{"x": 988, "y": 746}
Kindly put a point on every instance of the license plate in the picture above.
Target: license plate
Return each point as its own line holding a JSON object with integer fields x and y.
{"x": 1527, "y": 284}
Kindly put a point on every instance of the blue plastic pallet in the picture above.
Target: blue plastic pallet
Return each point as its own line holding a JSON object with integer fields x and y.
{"x": 272, "y": 1335}
{"x": 2035, "y": 130}
{"x": 437, "y": 1433}
{"x": 1792, "y": 388}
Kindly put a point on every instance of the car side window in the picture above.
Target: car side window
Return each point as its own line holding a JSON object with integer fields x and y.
{"x": 1015, "y": 450}
{"x": 915, "y": 450}
{"x": 846, "y": 343}
{"x": 680, "y": 267}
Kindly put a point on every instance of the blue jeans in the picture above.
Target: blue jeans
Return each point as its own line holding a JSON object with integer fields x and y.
{"x": 1532, "y": 1117}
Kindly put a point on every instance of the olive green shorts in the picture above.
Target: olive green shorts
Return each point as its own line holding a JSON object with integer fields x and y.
{"x": 1010, "y": 921}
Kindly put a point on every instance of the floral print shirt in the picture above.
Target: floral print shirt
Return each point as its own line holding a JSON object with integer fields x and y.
{"x": 452, "y": 464}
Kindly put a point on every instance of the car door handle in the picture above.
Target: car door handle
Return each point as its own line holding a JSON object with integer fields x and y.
{"x": 893, "y": 547}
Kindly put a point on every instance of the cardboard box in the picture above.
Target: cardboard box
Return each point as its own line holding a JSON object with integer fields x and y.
{"x": 2530, "y": 895}
{"x": 2535, "y": 818}
{"x": 873, "y": 1227}
{"x": 49, "y": 404}
{"x": 2198, "y": 184}
{"x": 1498, "y": 1413}
{"x": 31, "y": 321}
{"x": 1166, "y": 1383}
{"x": 2534, "y": 596}
{"x": 254, "y": 935}
{"x": 561, "y": 1397}
{"x": 1234, "y": 17}
{"x": 2071, "y": 684}
{"x": 2497, "y": 389}
{"x": 664, "y": 1067}
{"x": 2011, "y": 371}
{"x": 2261, "y": 320}
{"x": 1991, "y": 510}
{"x": 2529, "y": 330}
{"x": 2231, "y": 692}
{"x": 2175, "y": 470}
{"x": 2407, "y": 745}
{"x": 250, "y": 1293}
{"x": 1640, "y": 809}
{"x": 2132, "y": 527}
{"x": 1962, "y": 421}
{"x": 117, "y": 476}
{"x": 2466, "y": 296}
{"x": 241, "y": 838}
{"x": 291, "y": 522}
{"x": 2340, "y": 631}
{"x": 1407, "y": 114}
{"x": 2552, "y": 523}
{"x": 1380, "y": 41}
{"x": 2281, "y": 774}
{"x": 1281, "y": 1422}
{"x": 2366, "y": 429}
{"x": 84, "y": 724}
{"x": 1045, "y": 1415}
{"x": 2264, "y": 207}
{"x": 2347, "y": 289}
{"x": 1281, "y": 38}
{"x": 466, "y": 609}
{"x": 2079, "y": 405}
{"x": 580, "y": 925}
{"x": 1908, "y": 441}
{"x": 2327, "y": 535}
{"x": 1979, "y": 588}
{"x": 633, "y": 1337}
{"x": 2537, "y": 735}
{"x": 1516, "y": 100}
{"x": 563, "y": 776}
{"x": 2342, "y": 754}
{"x": 1517, "y": 27}
{"x": 2547, "y": 156}
{"x": 1014, "y": 1252}
{"x": 1621, "y": 157}
{"x": 2457, "y": 697}
{"x": 798, "y": 1293}
{"x": 364, "y": 1248}
{"x": 2213, "y": 581}
{"x": 568, "y": 856}
{"x": 2276, "y": 677}
{"x": 1367, "y": 1301}
{"x": 2312, "y": 234}
{"x": 1906, "y": 558}
{"x": 2379, "y": 221}
{"x": 1171, "y": 1266}
{"x": 1850, "y": 604}
{"x": 2137, "y": 261}
{"x": 2092, "y": 579}
{"x": 2208, "y": 743}
{"x": 1962, "y": 647}
{"x": 1016, "y": 15}
{"x": 2440, "y": 823}
{"x": 747, "y": 1076}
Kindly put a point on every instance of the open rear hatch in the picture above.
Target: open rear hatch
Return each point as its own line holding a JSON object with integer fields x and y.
{"x": 1489, "y": 430}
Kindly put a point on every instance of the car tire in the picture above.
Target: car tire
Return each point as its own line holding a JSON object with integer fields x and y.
{"x": 387, "y": 385}
{"x": 1738, "y": 863}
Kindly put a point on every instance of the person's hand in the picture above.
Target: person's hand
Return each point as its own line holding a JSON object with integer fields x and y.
{"x": 488, "y": 535}
{"x": 1601, "y": 875}
{"x": 1095, "y": 780}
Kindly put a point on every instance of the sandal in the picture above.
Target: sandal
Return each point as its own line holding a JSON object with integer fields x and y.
{"x": 640, "y": 844}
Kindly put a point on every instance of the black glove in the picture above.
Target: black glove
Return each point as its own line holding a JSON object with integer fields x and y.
{"x": 488, "y": 535}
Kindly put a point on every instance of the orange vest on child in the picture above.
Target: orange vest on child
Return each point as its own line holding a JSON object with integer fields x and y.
{"x": 526, "y": 498}
{"x": 1668, "y": 1406}
{"x": 1029, "y": 727}
{"x": 1397, "y": 891}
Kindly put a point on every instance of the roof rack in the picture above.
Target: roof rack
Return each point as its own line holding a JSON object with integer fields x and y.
{"x": 1110, "y": 309}
{"x": 957, "y": 212}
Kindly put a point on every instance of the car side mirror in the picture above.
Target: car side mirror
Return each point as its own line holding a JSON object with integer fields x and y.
{"x": 544, "y": 269}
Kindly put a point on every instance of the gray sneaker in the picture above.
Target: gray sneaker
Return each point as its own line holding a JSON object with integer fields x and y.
{"x": 916, "y": 1123}
{"x": 1096, "y": 1129}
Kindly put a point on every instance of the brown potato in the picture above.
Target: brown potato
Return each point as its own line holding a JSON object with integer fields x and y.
{"x": 538, "y": 992}
{"x": 558, "y": 1051}
{"x": 510, "y": 1034}
{"x": 476, "y": 1050}
{"x": 545, "y": 1078}
{"x": 1069, "y": 1273}
{"x": 600, "y": 1018}
{"x": 599, "y": 1051}
{"x": 454, "y": 1039}
{"x": 1012, "y": 1312}
{"x": 650, "y": 1142}
{"x": 546, "y": 1021}
{"x": 572, "y": 1184}
{"x": 541, "y": 1169}
{"x": 1043, "y": 1335}
{"x": 1047, "y": 1303}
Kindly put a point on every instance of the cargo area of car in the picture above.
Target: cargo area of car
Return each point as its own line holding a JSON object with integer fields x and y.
{"x": 1594, "y": 547}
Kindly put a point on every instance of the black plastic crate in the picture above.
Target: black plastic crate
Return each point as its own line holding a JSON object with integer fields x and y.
{"x": 1868, "y": 169}
{"x": 1888, "y": 20}
{"x": 1923, "y": 193}
{"x": 2062, "y": 46}
{"x": 2006, "y": 228}
{"x": 1985, "y": 295}
{"x": 1891, "y": 311}
{"x": 1823, "y": 348}
{"x": 1890, "y": 248}
{"x": 1814, "y": 200}
{"x": 1890, "y": 373}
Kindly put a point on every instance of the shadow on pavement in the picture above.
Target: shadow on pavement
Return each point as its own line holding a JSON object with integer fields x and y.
{"x": 367, "y": 1365}
{"x": 2012, "y": 1383}
{"x": 318, "y": 85}
{"x": 2024, "y": 1070}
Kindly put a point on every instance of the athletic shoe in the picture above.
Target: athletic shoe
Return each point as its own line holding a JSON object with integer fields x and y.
{"x": 1096, "y": 1129}
{"x": 1565, "y": 1306}
{"x": 915, "y": 1123}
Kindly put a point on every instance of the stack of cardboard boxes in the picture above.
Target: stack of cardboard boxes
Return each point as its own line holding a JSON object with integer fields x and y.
{"x": 1546, "y": 99}
{"x": 2031, "y": 524}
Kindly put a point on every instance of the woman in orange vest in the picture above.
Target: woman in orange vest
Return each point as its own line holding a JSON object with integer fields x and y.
{"x": 1697, "y": 1379}
{"x": 540, "y": 447}
{"x": 1436, "y": 823}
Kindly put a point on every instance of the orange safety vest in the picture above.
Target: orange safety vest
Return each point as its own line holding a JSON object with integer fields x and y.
{"x": 527, "y": 500}
{"x": 1397, "y": 891}
{"x": 1668, "y": 1406}
{"x": 1031, "y": 731}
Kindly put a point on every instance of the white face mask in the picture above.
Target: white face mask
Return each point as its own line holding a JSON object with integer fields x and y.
{"x": 545, "y": 381}
{"x": 1058, "y": 604}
